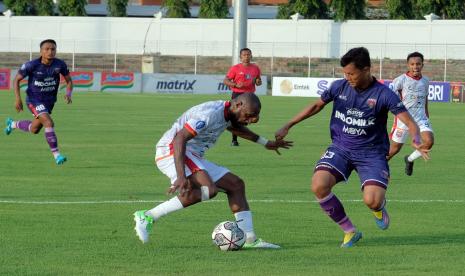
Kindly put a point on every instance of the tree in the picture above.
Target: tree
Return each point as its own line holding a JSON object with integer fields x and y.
{"x": 44, "y": 7}
{"x": 348, "y": 9}
{"x": 447, "y": 9}
{"x": 117, "y": 8}
{"x": 310, "y": 9}
{"x": 400, "y": 9}
{"x": 72, "y": 7}
{"x": 177, "y": 8}
{"x": 20, "y": 7}
{"x": 213, "y": 9}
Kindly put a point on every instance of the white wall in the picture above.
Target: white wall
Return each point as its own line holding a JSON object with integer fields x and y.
{"x": 284, "y": 38}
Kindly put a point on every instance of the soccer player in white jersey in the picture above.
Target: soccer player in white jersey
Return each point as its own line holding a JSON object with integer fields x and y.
{"x": 179, "y": 155}
{"x": 412, "y": 88}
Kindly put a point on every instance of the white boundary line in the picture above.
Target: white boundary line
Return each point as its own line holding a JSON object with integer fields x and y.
{"x": 90, "y": 202}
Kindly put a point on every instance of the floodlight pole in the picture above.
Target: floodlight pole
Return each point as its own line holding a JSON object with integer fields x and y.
{"x": 240, "y": 28}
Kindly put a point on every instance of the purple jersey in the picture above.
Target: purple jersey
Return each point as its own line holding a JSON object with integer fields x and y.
{"x": 358, "y": 121}
{"x": 43, "y": 80}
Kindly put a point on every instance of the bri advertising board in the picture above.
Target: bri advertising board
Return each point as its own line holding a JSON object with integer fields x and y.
{"x": 313, "y": 87}
{"x": 190, "y": 84}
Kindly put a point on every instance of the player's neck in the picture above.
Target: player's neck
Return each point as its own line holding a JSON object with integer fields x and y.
{"x": 245, "y": 64}
{"x": 366, "y": 84}
{"x": 46, "y": 61}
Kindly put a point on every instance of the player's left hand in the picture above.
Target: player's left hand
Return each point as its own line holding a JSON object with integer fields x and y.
{"x": 275, "y": 145}
{"x": 423, "y": 150}
{"x": 68, "y": 99}
{"x": 258, "y": 81}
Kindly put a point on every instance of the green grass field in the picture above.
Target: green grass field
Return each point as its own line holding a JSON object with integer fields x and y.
{"x": 77, "y": 219}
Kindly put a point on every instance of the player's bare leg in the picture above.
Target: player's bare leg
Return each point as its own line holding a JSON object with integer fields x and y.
{"x": 234, "y": 187}
{"x": 44, "y": 120}
{"x": 145, "y": 218}
{"x": 323, "y": 182}
{"x": 427, "y": 138}
{"x": 374, "y": 197}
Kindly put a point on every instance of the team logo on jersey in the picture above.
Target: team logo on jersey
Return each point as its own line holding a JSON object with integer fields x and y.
{"x": 56, "y": 70}
{"x": 199, "y": 125}
{"x": 371, "y": 103}
{"x": 248, "y": 77}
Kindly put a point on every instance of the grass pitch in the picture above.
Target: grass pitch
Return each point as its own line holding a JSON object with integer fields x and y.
{"x": 76, "y": 219}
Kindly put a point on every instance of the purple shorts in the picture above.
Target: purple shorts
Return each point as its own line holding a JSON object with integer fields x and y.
{"x": 372, "y": 167}
{"x": 38, "y": 108}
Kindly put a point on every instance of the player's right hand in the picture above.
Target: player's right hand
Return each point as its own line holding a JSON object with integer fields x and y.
{"x": 182, "y": 185}
{"x": 19, "y": 105}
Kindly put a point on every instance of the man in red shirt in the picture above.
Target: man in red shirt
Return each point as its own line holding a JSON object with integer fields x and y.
{"x": 242, "y": 78}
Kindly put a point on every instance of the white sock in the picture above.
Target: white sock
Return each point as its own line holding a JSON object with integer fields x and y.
{"x": 165, "y": 208}
{"x": 414, "y": 155}
{"x": 244, "y": 221}
{"x": 13, "y": 124}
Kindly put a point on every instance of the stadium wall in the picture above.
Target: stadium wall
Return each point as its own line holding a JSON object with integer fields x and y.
{"x": 438, "y": 39}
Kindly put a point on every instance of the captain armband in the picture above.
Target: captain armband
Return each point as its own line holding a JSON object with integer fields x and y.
{"x": 262, "y": 141}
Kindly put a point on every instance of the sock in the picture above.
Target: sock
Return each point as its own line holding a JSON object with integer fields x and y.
{"x": 244, "y": 221}
{"x": 24, "y": 125}
{"x": 379, "y": 212}
{"x": 52, "y": 141}
{"x": 165, "y": 208}
{"x": 334, "y": 209}
{"x": 414, "y": 156}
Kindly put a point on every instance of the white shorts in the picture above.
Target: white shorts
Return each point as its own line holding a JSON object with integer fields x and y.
{"x": 193, "y": 164}
{"x": 399, "y": 132}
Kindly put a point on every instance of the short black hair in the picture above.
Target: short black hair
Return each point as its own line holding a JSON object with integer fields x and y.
{"x": 48, "y": 41}
{"x": 245, "y": 49}
{"x": 415, "y": 54}
{"x": 360, "y": 57}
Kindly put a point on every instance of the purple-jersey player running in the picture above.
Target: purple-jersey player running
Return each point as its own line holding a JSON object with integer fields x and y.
{"x": 359, "y": 140}
{"x": 43, "y": 80}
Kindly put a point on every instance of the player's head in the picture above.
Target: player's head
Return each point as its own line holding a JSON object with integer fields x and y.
{"x": 245, "y": 55}
{"x": 356, "y": 65}
{"x": 48, "y": 49}
{"x": 245, "y": 109}
{"x": 415, "y": 63}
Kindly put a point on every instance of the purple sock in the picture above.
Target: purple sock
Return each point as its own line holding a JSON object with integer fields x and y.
{"x": 51, "y": 138}
{"x": 24, "y": 125}
{"x": 334, "y": 209}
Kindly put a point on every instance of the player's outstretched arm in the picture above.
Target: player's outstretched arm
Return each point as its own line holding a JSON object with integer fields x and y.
{"x": 69, "y": 88}
{"x": 304, "y": 114}
{"x": 18, "y": 100}
{"x": 246, "y": 133}
{"x": 414, "y": 132}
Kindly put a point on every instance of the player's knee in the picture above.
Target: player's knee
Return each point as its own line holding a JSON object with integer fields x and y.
{"x": 238, "y": 186}
{"x": 372, "y": 201}
{"x": 319, "y": 188}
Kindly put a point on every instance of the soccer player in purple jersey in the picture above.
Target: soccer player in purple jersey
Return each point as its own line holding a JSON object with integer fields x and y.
{"x": 359, "y": 140}
{"x": 43, "y": 80}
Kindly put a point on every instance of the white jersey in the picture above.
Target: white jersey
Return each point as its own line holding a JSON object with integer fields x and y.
{"x": 414, "y": 94}
{"x": 205, "y": 121}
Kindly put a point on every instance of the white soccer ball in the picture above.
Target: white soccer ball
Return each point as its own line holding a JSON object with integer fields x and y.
{"x": 228, "y": 236}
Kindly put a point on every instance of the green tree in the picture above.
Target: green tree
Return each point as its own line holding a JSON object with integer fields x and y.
{"x": 309, "y": 9}
{"x": 348, "y": 9}
{"x": 44, "y": 7}
{"x": 177, "y": 8}
{"x": 455, "y": 9}
{"x": 20, "y": 7}
{"x": 213, "y": 9}
{"x": 400, "y": 9}
{"x": 117, "y": 8}
{"x": 72, "y": 7}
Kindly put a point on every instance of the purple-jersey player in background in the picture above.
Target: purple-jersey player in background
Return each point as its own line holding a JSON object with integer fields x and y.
{"x": 360, "y": 140}
{"x": 43, "y": 80}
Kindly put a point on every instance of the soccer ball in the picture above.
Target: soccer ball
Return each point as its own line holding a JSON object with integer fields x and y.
{"x": 228, "y": 236}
